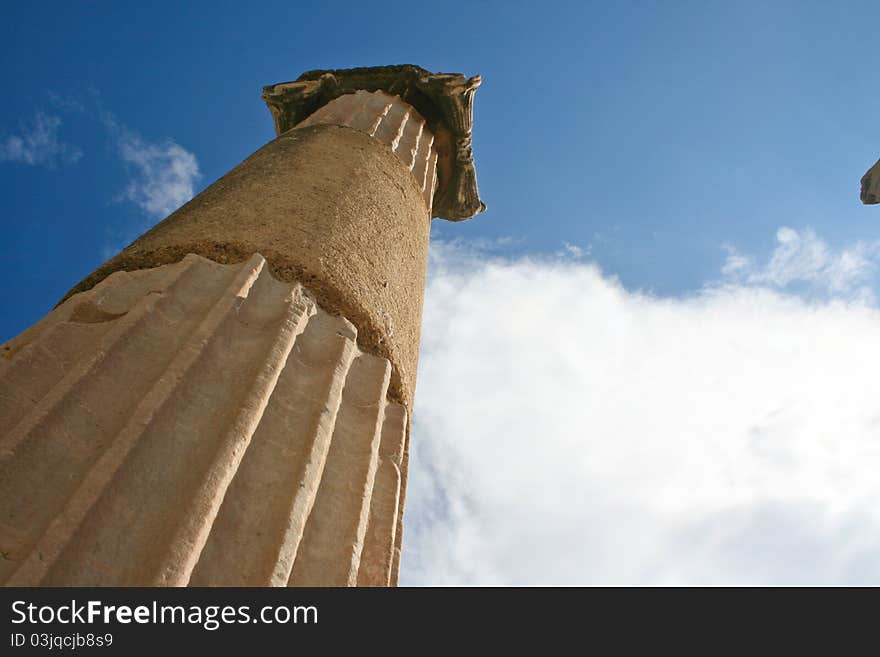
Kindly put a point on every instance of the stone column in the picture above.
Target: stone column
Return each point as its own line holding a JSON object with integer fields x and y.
{"x": 226, "y": 401}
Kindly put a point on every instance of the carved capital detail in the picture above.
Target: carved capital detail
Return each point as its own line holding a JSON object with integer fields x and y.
{"x": 445, "y": 100}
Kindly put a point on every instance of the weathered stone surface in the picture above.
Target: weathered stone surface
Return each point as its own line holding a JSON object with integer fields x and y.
{"x": 391, "y": 121}
{"x": 218, "y": 429}
{"x": 445, "y": 100}
{"x": 377, "y": 559}
{"x": 330, "y": 207}
{"x": 196, "y": 413}
{"x": 334, "y": 536}
{"x": 871, "y": 185}
{"x": 258, "y": 530}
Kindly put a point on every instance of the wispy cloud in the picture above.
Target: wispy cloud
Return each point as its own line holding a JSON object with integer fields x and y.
{"x": 37, "y": 144}
{"x": 570, "y": 431}
{"x": 801, "y": 259}
{"x": 161, "y": 177}
{"x": 68, "y": 103}
{"x": 573, "y": 251}
{"x": 163, "y": 174}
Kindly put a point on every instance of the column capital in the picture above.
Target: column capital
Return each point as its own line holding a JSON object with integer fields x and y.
{"x": 445, "y": 100}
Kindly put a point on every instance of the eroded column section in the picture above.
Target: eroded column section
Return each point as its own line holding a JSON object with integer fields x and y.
{"x": 377, "y": 559}
{"x": 333, "y": 539}
{"x": 249, "y": 441}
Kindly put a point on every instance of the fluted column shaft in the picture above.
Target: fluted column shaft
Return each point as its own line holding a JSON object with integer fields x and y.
{"x": 327, "y": 206}
{"x": 226, "y": 401}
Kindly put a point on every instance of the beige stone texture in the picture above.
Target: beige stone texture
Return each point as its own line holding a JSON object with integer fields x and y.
{"x": 330, "y": 207}
{"x": 391, "y": 121}
{"x": 226, "y": 402}
{"x": 377, "y": 559}
{"x": 196, "y": 423}
{"x": 444, "y": 100}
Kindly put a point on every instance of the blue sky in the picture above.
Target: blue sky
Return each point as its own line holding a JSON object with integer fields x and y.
{"x": 695, "y": 159}
{"x": 649, "y": 133}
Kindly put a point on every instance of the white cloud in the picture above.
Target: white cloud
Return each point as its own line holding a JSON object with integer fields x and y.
{"x": 161, "y": 174}
{"x": 802, "y": 258}
{"x": 164, "y": 173}
{"x": 38, "y": 143}
{"x": 569, "y": 431}
{"x": 162, "y": 177}
{"x": 573, "y": 251}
